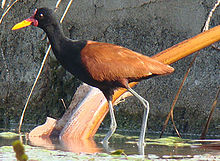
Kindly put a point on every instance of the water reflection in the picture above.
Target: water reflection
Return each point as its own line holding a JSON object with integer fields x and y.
{"x": 72, "y": 145}
{"x": 128, "y": 144}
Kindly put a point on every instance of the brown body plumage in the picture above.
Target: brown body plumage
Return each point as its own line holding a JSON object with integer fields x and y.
{"x": 109, "y": 62}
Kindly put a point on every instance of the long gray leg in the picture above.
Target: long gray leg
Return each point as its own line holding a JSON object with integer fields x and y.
{"x": 145, "y": 116}
{"x": 113, "y": 125}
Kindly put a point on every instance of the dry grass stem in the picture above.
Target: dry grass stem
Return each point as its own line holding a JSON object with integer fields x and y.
{"x": 32, "y": 89}
{"x": 3, "y": 3}
{"x": 206, "y": 27}
{"x": 64, "y": 105}
{"x": 205, "y": 130}
{"x": 122, "y": 98}
{"x": 7, "y": 10}
{"x": 176, "y": 98}
{"x": 66, "y": 10}
{"x": 58, "y": 3}
{"x": 9, "y": 3}
{"x": 215, "y": 47}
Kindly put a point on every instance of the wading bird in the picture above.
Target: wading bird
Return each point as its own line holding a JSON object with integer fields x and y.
{"x": 102, "y": 65}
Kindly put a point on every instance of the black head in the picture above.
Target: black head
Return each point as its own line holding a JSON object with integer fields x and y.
{"x": 42, "y": 18}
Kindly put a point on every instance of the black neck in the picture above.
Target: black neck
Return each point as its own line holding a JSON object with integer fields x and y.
{"x": 56, "y": 37}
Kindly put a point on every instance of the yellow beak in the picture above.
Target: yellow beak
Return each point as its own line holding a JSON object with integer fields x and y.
{"x": 22, "y": 24}
{"x": 25, "y": 23}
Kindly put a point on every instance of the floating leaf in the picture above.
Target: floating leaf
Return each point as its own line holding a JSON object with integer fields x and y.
{"x": 8, "y": 135}
{"x": 170, "y": 141}
{"x": 118, "y": 152}
{"x": 102, "y": 154}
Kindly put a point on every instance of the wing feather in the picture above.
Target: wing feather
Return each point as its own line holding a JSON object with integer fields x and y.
{"x": 110, "y": 62}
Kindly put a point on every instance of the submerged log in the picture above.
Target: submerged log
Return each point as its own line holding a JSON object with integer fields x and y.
{"x": 44, "y": 130}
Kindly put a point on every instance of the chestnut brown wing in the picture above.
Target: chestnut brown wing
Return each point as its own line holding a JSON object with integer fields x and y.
{"x": 111, "y": 62}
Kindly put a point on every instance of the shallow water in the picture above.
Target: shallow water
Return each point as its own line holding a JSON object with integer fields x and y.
{"x": 156, "y": 149}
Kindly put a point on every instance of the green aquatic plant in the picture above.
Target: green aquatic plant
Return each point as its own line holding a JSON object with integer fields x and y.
{"x": 118, "y": 152}
{"x": 9, "y": 135}
{"x": 19, "y": 150}
{"x": 170, "y": 141}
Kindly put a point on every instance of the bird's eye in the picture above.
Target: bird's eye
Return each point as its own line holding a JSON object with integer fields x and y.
{"x": 41, "y": 15}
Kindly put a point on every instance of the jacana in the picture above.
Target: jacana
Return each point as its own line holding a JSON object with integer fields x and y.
{"x": 102, "y": 65}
